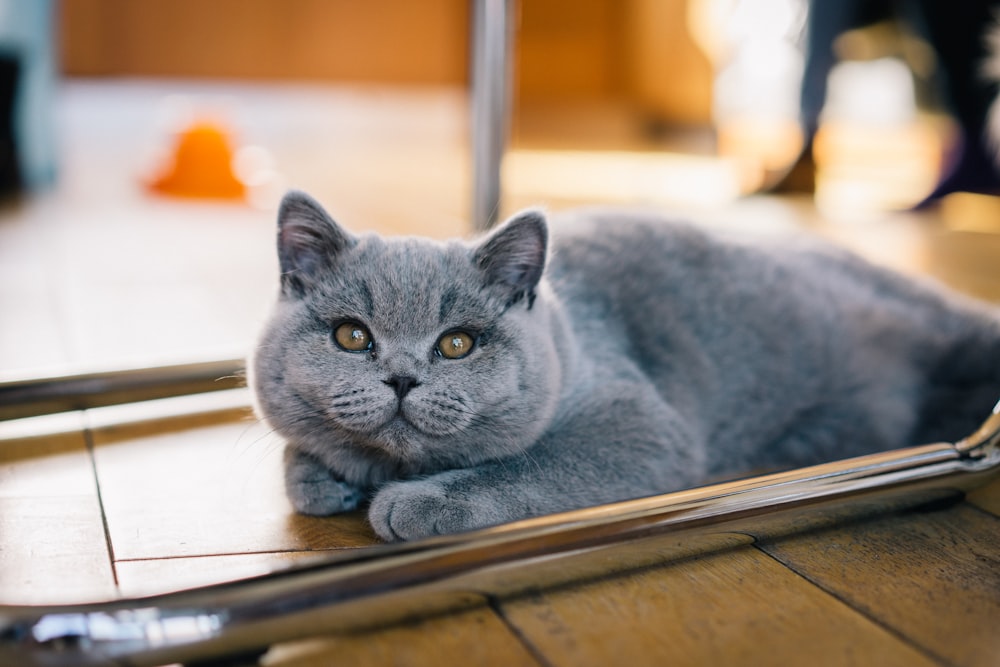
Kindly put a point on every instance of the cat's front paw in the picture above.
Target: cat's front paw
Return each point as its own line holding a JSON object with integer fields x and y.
{"x": 421, "y": 508}
{"x": 313, "y": 489}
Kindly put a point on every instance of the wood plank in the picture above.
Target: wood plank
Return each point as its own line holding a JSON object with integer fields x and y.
{"x": 472, "y": 637}
{"x": 163, "y": 575}
{"x": 208, "y": 490}
{"x": 52, "y": 543}
{"x": 52, "y": 550}
{"x": 987, "y": 497}
{"x": 736, "y": 607}
{"x": 930, "y": 576}
{"x": 618, "y": 559}
{"x": 45, "y": 456}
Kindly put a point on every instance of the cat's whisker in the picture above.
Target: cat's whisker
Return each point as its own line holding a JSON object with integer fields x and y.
{"x": 251, "y": 424}
{"x": 525, "y": 452}
{"x": 262, "y": 449}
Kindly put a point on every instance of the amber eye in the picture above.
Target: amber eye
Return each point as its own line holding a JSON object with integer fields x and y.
{"x": 455, "y": 345}
{"x": 352, "y": 337}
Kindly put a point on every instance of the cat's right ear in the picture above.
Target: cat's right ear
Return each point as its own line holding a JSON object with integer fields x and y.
{"x": 308, "y": 242}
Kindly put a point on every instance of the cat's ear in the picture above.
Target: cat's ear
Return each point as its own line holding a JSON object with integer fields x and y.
{"x": 513, "y": 256}
{"x": 309, "y": 241}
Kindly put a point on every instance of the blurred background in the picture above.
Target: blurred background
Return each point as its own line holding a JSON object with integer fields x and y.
{"x": 146, "y": 144}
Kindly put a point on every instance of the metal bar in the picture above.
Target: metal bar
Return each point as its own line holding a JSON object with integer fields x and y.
{"x": 492, "y": 40}
{"x": 32, "y": 396}
{"x": 375, "y": 585}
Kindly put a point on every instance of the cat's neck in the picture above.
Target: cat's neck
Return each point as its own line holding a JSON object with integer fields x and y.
{"x": 572, "y": 371}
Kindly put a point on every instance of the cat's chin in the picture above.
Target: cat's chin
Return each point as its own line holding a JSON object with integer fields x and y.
{"x": 399, "y": 440}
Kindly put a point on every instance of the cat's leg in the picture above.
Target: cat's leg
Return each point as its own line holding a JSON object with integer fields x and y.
{"x": 624, "y": 448}
{"x": 313, "y": 489}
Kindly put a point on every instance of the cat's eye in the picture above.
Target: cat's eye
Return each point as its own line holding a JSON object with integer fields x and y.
{"x": 455, "y": 345}
{"x": 353, "y": 337}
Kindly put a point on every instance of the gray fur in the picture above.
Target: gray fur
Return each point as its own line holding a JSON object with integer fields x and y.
{"x": 648, "y": 356}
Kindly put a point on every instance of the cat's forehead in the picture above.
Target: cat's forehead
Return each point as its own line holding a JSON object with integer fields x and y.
{"x": 408, "y": 251}
{"x": 401, "y": 266}
{"x": 405, "y": 284}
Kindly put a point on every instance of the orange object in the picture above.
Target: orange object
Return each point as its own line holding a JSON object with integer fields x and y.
{"x": 202, "y": 166}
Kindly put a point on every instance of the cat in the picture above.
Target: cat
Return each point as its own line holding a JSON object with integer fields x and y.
{"x": 571, "y": 360}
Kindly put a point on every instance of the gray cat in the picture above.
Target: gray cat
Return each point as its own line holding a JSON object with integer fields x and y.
{"x": 459, "y": 385}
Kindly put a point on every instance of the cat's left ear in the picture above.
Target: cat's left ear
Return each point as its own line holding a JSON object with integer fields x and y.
{"x": 513, "y": 256}
{"x": 309, "y": 241}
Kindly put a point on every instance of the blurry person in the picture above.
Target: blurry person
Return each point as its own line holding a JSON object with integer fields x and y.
{"x": 957, "y": 34}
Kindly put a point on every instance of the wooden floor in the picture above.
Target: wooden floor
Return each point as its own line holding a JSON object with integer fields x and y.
{"x": 137, "y": 499}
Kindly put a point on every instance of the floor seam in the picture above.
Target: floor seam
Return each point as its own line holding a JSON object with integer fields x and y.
{"x": 264, "y": 552}
{"x": 861, "y": 612}
{"x": 497, "y": 608}
{"x": 979, "y": 508}
{"x": 88, "y": 437}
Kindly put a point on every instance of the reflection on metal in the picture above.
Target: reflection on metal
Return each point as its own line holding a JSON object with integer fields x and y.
{"x": 31, "y": 396}
{"x": 491, "y": 72}
{"x": 984, "y": 441}
{"x": 377, "y": 585}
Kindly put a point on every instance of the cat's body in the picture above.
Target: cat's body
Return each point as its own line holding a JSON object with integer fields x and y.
{"x": 650, "y": 356}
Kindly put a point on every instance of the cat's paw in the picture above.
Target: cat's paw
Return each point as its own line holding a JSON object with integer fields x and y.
{"x": 421, "y": 508}
{"x": 313, "y": 489}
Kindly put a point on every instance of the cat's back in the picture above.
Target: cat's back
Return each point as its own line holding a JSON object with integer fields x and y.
{"x": 599, "y": 238}
{"x": 642, "y": 265}
{"x": 787, "y": 319}
{"x": 641, "y": 258}
{"x": 607, "y": 250}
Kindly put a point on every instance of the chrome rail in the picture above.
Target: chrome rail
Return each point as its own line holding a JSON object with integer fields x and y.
{"x": 31, "y": 396}
{"x": 377, "y": 585}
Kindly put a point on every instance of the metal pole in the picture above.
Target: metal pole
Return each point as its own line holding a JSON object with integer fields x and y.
{"x": 93, "y": 388}
{"x": 492, "y": 33}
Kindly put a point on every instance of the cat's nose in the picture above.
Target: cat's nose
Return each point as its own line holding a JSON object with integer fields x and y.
{"x": 402, "y": 384}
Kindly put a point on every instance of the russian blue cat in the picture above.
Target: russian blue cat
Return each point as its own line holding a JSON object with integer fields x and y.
{"x": 595, "y": 357}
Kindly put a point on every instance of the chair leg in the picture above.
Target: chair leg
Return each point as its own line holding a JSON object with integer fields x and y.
{"x": 492, "y": 42}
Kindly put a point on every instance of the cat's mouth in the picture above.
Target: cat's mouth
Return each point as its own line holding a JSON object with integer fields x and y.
{"x": 397, "y": 439}
{"x": 399, "y": 425}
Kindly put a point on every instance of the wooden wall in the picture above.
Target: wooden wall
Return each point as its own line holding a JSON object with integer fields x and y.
{"x": 386, "y": 41}
{"x": 566, "y": 49}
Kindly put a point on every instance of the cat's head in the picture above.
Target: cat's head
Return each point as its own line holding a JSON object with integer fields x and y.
{"x": 391, "y": 357}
